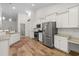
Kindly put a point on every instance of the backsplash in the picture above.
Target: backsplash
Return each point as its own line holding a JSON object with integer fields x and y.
{"x": 70, "y": 31}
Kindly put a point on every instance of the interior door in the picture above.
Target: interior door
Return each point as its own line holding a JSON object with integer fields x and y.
{"x": 22, "y": 29}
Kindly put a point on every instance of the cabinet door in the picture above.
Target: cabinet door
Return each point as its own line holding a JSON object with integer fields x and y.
{"x": 59, "y": 21}
{"x": 40, "y": 37}
{"x": 61, "y": 43}
{"x": 64, "y": 44}
{"x": 11, "y": 41}
{"x": 73, "y": 17}
{"x": 56, "y": 42}
{"x": 65, "y": 20}
{"x": 62, "y": 20}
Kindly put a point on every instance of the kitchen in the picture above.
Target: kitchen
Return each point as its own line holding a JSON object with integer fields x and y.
{"x": 66, "y": 18}
{"x": 66, "y": 27}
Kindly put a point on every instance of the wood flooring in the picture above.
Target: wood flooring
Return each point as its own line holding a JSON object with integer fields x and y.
{"x": 30, "y": 47}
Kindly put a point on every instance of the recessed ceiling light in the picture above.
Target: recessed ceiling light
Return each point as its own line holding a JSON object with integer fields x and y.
{"x": 3, "y": 18}
{"x": 10, "y": 19}
{"x": 13, "y": 7}
{"x": 27, "y": 11}
{"x": 29, "y": 14}
{"x": 33, "y": 4}
{"x": 0, "y": 19}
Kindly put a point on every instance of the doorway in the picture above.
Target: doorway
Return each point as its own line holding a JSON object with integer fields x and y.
{"x": 22, "y": 29}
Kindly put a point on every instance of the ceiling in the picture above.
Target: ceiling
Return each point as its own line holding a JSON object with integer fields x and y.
{"x": 22, "y": 7}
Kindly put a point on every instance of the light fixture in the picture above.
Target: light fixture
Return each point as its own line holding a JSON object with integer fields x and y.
{"x": 13, "y": 7}
{"x": 33, "y": 4}
{"x": 10, "y": 19}
{"x": 28, "y": 13}
{"x": 0, "y": 19}
{"x": 3, "y": 18}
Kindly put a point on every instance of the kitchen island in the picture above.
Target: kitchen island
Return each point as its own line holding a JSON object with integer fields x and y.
{"x": 6, "y": 40}
{"x": 4, "y": 44}
{"x": 14, "y": 37}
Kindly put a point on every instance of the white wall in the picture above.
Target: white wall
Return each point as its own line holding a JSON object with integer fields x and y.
{"x": 32, "y": 23}
{"x": 0, "y": 17}
{"x": 29, "y": 26}
{"x": 22, "y": 19}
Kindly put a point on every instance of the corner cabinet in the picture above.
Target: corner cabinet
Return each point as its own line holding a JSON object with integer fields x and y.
{"x": 61, "y": 43}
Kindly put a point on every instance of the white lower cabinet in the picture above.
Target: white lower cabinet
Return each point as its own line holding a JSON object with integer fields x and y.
{"x": 61, "y": 43}
{"x": 56, "y": 42}
{"x": 4, "y": 48}
{"x": 64, "y": 45}
{"x": 14, "y": 38}
{"x": 40, "y": 37}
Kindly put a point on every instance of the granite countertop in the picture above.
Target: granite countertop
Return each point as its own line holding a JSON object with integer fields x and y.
{"x": 63, "y": 35}
{"x": 71, "y": 39}
{"x": 74, "y": 40}
{"x": 4, "y": 37}
{"x": 9, "y": 33}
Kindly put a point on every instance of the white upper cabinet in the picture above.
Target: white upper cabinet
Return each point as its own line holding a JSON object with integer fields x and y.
{"x": 62, "y": 19}
{"x": 68, "y": 19}
{"x": 74, "y": 17}
{"x": 59, "y": 21}
{"x": 51, "y": 17}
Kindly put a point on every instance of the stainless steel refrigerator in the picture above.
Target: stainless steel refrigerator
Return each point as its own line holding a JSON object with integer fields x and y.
{"x": 49, "y": 29}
